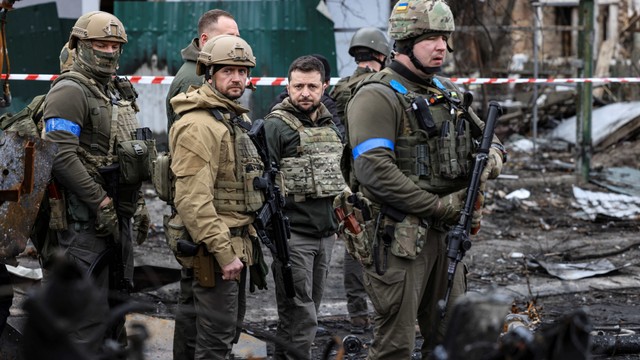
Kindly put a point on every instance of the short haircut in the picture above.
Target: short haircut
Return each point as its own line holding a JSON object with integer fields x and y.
{"x": 325, "y": 63}
{"x": 210, "y": 18}
{"x": 307, "y": 63}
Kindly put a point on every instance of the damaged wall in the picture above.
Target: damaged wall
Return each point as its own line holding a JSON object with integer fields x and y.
{"x": 495, "y": 38}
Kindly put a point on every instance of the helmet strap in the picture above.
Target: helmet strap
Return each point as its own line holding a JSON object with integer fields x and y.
{"x": 425, "y": 69}
{"x": 406, "y": 47}
{"x": 367, "y": 56}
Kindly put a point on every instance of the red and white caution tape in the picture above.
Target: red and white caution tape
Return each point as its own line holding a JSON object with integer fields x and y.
{"x": 281, "y": 81}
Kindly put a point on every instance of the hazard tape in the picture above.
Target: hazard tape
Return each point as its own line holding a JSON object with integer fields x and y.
{"x": 281, "y": 81}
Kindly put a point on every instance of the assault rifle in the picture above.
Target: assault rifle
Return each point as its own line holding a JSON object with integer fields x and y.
{"x": 112, "y": 256}
{"x": 271, "y": 212}
{"x": 458, "y": 241}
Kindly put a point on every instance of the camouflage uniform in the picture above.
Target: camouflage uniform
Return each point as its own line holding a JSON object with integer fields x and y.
{"x": 313, "y": 228}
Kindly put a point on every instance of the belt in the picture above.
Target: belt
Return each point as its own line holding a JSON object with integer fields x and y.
{"x": 240, "y": 231}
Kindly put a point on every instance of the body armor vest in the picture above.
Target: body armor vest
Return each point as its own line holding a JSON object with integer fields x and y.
{"x": 239, "y": 195}
{"x": 437, "y": 159}
{"x": 108, "y": 134}
{"x": 315, "y": 171}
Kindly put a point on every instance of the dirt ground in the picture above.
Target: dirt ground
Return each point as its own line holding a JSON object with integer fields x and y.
{"x": 515, "y": 234}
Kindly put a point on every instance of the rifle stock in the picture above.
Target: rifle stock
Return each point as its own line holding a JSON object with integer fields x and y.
{"x": 271, "y": 213}
{"x": 458, "y": 242}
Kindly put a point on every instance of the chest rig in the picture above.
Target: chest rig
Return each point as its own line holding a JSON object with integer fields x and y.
{"x": 315, "y": 171}
{"x": 239, "y": 195}
{"x": 111, "y": 139}
{"x": 435, "y": 146}
{"x": 112, "y": 118}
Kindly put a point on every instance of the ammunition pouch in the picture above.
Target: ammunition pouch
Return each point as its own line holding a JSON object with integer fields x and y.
{"x": 133, "y": 157}
{"x": 57, "y": 207}
{"x": 404, "y": 235}
{"x": 163, "y": 177}
{"x": 178, "y": 239}
{"x": 409, "y": 237}
{"x": 353, "y": 212}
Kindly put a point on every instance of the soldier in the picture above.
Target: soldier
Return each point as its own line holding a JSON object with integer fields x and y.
{"x": 401, "y": 122}
{"x": 215, "y": 162}
{"x": 326, "y": 100}
{"x": 99, "y": 168}
{"x": 211, "y": 24}
{"x": 306, "y": 144}
{"x": 370, "y": 48}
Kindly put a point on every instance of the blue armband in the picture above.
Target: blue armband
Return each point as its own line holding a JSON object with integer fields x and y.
{"x": 59, "y": 124}
{"x": 372, "y": 144}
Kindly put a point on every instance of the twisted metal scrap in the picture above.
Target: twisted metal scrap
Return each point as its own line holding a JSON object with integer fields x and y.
{"x": 25, "y": 169}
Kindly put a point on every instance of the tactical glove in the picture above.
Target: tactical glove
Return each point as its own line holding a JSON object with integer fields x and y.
{"x": 259, "y": 270}
{"x": 449, "y": 207}
{"x": 141, "y": 221}
{"x": 476, "y": 217}
{"x": 107, "y": 222}
{"x": 494, "y": 165}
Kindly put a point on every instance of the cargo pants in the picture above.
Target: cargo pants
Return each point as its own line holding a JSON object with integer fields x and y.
{"x": 408, "y": 290}
{"x": 220, "y": 312}
{"x": 354, "y": 287}
{"x": 298, "y": 316}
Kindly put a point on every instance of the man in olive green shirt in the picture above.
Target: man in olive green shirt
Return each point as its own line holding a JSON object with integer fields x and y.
{"x": 406, "y": 164}
{"x": 306, "y": 145}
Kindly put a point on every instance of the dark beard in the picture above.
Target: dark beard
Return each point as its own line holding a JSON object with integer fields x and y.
{"x": 309, "y": 111}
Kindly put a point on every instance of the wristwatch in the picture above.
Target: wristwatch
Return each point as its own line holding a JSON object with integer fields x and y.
{"x": 502, "y": 150}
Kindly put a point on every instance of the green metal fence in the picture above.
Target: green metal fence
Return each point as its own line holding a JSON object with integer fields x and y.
{"x": 34, "y": 36}
{"x": 278, "y": 32}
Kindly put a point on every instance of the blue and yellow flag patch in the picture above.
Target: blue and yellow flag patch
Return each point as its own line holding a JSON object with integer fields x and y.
{"x": 402, "y": 7}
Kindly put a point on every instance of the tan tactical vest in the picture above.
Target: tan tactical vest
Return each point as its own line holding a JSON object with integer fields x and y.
{"x": 315, "y": 171}
{"x": 240, "y": 195}
{"x": 440, "y": 162}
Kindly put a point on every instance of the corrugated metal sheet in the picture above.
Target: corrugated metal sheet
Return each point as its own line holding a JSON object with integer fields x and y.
{"x": 278, "y": 31}
{"x": 35, "y": 36}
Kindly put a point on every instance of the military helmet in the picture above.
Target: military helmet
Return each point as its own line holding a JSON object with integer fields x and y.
{"x": 67, "y": 56}
{"x": 412, "y": 18}
{"x": 370, "y": 38}
{"x": 97, "y": 25}
{"x": 225, "y": 50}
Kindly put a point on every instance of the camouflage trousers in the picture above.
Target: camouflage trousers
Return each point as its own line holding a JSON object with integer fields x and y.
{"x": 408, "y": 290}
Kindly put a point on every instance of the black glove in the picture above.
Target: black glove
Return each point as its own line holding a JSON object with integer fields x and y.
{"x": 259, "y": 270}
